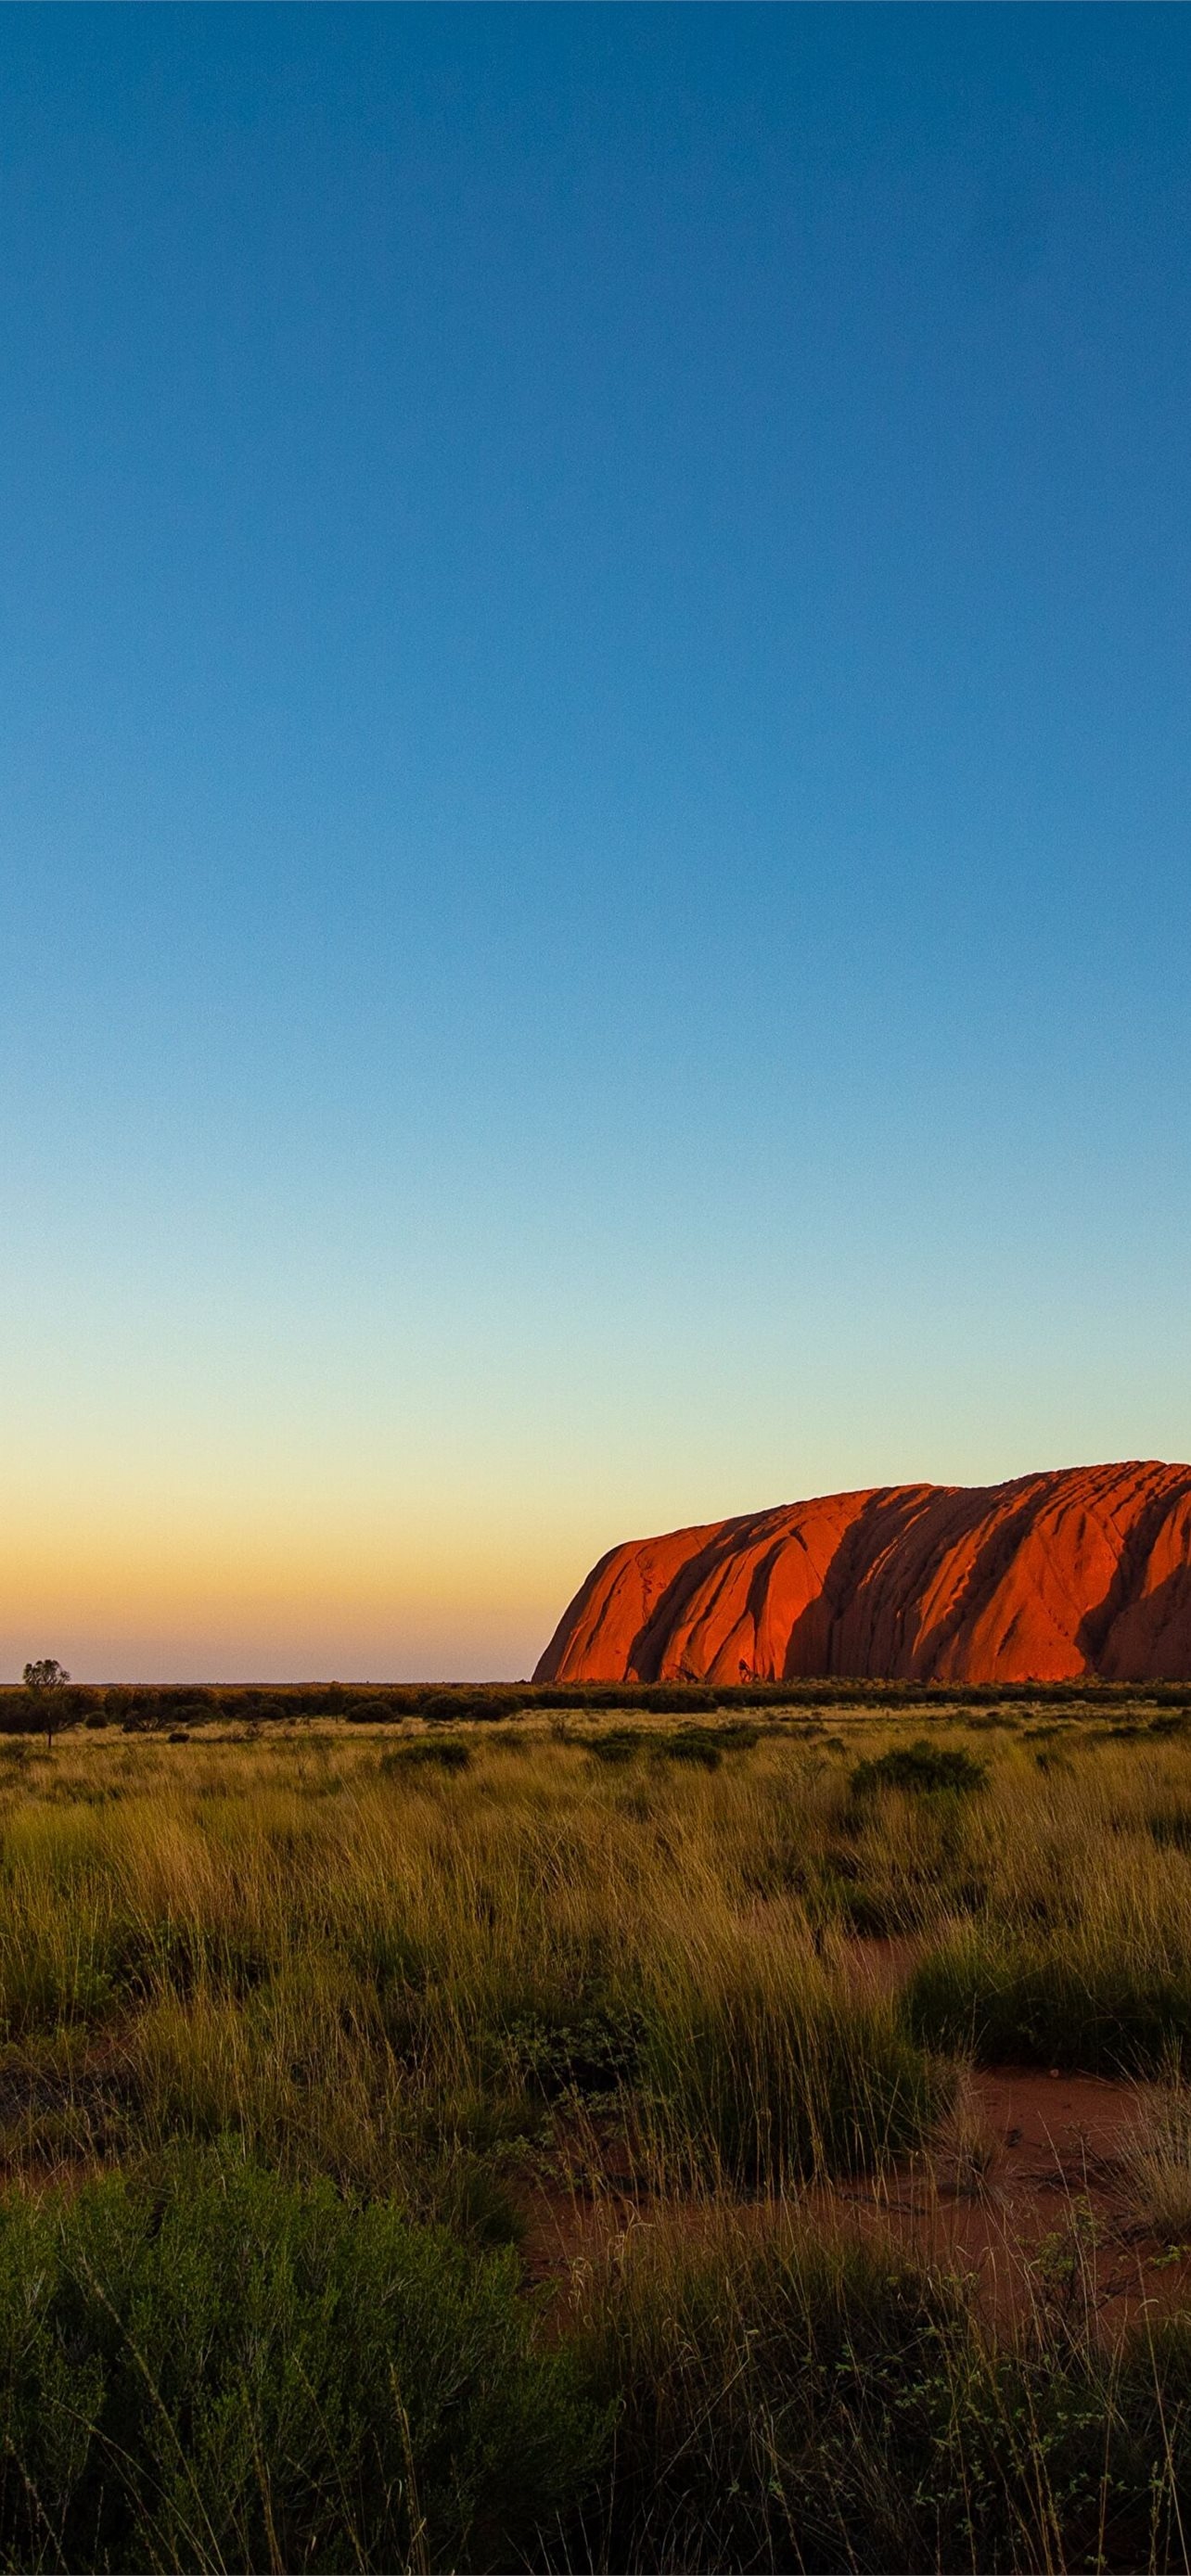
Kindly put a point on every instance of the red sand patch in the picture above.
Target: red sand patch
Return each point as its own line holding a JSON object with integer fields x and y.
{"x": 1047, "y": 2183}
{"x": 1035, "y": 2206}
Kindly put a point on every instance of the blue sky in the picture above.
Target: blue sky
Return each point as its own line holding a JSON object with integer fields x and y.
{"x": 594, "y": 804}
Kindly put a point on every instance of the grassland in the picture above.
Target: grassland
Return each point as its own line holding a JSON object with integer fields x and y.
{"x": 488, "y": 2144}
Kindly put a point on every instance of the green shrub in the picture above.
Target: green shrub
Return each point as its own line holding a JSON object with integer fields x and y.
{"x": 225, "y": 2372}
{"x": 441, "y": 1752}
{"x": 923, "y": 1768}
{"x": 592, "y": 2050}
{"x": 691, "y": 1744}
{"x": 701, "y": 1745}
{"x": 1051, "y": 2002}
{"x": 618, "y": 1744}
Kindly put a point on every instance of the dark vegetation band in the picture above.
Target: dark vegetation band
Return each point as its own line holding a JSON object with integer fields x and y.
{"x": 147, "y": 1705}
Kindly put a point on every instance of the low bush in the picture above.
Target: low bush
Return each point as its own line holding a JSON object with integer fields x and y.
{"x": 438, "y": 1752}
{"x": 591, "y": 2051}
{"x": 690, "y": 1744}
{"x": 1061, "y": 2000}
{"x": 926, "y": 1769}
{"x": 225, "y": 2372}
{"x": 700, "y": 1745}
{"x": 617, "y": 1744}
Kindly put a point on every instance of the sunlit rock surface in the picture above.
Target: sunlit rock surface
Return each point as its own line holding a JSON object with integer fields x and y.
{"x": 1086, "y": 1570}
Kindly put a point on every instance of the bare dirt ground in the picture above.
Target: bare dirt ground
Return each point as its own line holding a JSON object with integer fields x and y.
{"x": 1026, "y": 2191}
{"x": 1034, "y": 2199}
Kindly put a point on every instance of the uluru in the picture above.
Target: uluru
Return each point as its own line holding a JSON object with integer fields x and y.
{"x": 1076, "y": 1572}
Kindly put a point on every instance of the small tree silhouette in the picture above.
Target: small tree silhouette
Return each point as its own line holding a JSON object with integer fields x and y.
{"x": 46, "y": 1683}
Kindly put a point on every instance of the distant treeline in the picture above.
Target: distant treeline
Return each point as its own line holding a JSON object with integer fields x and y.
{"x": 147, "y": 1706}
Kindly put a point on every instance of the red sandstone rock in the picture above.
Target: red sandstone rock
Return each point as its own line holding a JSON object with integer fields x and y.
{"x": 1083, "y": 1571}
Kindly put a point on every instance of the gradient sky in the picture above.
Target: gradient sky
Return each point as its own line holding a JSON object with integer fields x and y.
{"x": 595, "y": 675}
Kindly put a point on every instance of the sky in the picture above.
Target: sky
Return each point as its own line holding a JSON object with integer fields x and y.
{"x": 595, "y": 676}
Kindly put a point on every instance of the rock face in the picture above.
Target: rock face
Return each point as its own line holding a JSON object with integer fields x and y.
{"x": 1084, "y": 1571}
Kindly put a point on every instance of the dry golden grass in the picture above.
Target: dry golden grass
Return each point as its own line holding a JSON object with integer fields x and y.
{"x": 364, "y": 1961}
{"x": 439, "y": 1987}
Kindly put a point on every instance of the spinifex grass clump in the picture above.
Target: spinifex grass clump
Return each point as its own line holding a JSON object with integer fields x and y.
{"x": 690, "y": 1744}
{"x": 447, "y": 1752}
{"x": 762, "y": 2070}
{"x": 615, "y": 1744}
{"x": 926, "y": 1769}
{"x": 216, "y": 2370}
{"x": 703, "y": 1744}
{"x": 1054, "y": 1999}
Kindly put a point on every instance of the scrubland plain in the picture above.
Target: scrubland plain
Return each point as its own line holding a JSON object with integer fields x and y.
{"x": 600, "y": 2140}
